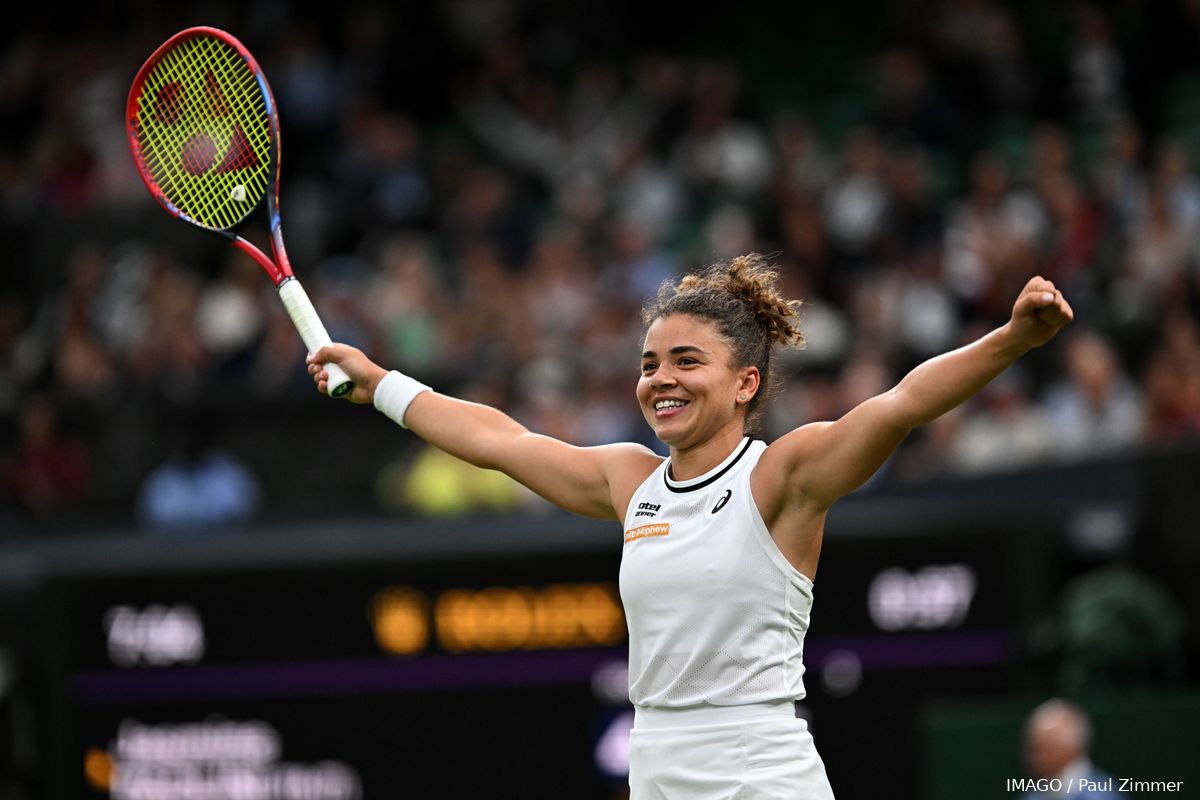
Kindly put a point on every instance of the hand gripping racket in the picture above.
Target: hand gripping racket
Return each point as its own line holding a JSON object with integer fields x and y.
{"x": 204, "y": 132}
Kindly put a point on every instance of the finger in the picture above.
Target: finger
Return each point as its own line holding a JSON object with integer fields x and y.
{"x": 1043, "y": 292}
{"x": 1038, "y": 284}
{"x": 1063, "y": 307}
{"x": 1057, "y": 313}
{"x": 1051, "y": 316}
{"x": 328, "y": 353}
{"x": 1033, "y": 301}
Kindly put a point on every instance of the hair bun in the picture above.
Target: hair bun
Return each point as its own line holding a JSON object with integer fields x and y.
{"x": 754, "y": 282}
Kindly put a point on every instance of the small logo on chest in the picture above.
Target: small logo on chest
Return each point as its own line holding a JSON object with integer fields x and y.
{"x": 647, "y": 509}
{"x": 721, "y": 503}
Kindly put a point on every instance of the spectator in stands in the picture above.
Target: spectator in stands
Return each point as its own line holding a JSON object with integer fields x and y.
{"x": 1095, "y": 409}
{"x": 434, "y": 484}
{"x": 988, "y": 233}
{"x": 47, "y": 470}
{"x": 200, "y": 487}
{"x": 1006, "y": 431}
{"x": 1057, "y": 745}
{"x": 1171, "y": 384}
{"x": 721, "y": 152}
{"x": 856, "y": 199}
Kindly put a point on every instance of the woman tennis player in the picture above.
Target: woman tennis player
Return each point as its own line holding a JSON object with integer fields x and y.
{"x": 723, "y": 536}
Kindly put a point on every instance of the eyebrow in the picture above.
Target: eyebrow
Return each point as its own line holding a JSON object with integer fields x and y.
{"x": 675, "y": 351}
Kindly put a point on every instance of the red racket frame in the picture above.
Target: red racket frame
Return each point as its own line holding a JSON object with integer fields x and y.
{"x": 279, "y": 269}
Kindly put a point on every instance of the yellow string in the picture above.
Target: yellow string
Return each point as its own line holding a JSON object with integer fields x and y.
{"x": 209, "y": 198}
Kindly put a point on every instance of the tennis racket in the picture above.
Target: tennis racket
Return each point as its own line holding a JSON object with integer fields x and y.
{"x": 204, "y": 132}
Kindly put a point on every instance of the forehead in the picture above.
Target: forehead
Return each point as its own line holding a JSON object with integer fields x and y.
{"x": 681, "y": 330}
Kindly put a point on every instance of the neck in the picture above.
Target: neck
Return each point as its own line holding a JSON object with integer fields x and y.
{"x": 690, "y": 462}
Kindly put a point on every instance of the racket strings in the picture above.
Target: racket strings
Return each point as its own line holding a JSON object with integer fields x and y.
{"x": 204, "y": 132}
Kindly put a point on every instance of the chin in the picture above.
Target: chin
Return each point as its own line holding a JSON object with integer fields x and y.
{"x": 671, "y": 437}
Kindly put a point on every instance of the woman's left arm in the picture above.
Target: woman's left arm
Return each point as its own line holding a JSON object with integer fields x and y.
{"x": 827, "y": 460}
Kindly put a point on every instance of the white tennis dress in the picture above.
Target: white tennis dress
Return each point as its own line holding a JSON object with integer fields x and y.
{"x": 717, "y": 618}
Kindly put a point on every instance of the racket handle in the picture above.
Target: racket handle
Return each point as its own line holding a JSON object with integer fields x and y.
{"x": 305, "y": 318}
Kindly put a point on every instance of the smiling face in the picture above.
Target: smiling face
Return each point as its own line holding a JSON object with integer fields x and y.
{"x": 689, "y": 390}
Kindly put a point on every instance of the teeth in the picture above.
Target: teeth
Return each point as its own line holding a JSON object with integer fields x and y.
{"x": 661, "y": 404}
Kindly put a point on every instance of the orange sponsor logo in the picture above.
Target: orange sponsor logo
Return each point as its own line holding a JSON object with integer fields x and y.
{"x": 642, "y": 531}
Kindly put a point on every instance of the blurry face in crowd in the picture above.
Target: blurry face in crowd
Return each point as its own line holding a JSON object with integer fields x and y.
{"x": 1054, "y": 737}
{"x": 689, "y": 387}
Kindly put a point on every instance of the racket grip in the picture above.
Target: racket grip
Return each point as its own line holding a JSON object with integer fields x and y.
{"x": 305, "y": 318}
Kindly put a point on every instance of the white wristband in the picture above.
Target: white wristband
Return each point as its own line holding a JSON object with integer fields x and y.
{"x": 394, "y": 394}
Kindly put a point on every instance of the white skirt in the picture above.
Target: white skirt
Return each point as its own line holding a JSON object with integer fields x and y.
{"x": 759, "y": 752}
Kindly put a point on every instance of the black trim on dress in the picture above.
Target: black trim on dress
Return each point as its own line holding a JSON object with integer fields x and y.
{"x": 709, "y": 480}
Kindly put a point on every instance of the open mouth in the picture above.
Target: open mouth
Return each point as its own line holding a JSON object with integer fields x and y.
{"x": 668, "y": 408}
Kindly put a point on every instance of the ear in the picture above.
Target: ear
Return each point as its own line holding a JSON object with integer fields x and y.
{"x": 749, "y": 382}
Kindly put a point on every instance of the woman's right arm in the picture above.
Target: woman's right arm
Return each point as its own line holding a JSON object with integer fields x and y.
{"x": 591, "y": 481}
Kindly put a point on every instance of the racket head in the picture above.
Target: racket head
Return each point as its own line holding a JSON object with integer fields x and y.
{"x": 203, "y": 128}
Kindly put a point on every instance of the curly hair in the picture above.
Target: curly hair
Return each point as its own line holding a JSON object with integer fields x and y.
{"x": 742, "y": 297}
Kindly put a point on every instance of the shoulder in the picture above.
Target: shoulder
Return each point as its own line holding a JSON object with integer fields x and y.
{"x": 796, "y": 445}
{"x": 627, "y": 466}
{"x": 775, "y": 476}
{"x": 636, "y": 460}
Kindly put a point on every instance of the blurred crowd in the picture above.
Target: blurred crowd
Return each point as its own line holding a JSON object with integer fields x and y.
{"x": 494, "y": 228}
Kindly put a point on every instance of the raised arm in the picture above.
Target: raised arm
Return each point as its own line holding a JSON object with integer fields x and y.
{"x": 591, "y": 481}
{"x": 824, "y": 461}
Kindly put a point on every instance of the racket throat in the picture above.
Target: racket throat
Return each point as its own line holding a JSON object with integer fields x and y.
{"x": 276, "y": 272}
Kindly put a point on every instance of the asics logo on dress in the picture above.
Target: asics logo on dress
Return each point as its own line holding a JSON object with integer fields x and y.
{"x": 721, "y": 503}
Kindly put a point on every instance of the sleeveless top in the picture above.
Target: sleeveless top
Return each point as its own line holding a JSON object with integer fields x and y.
{"x": 716, "y": 614}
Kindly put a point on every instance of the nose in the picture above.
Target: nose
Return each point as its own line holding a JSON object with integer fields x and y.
{"x": 662, "y": 377}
